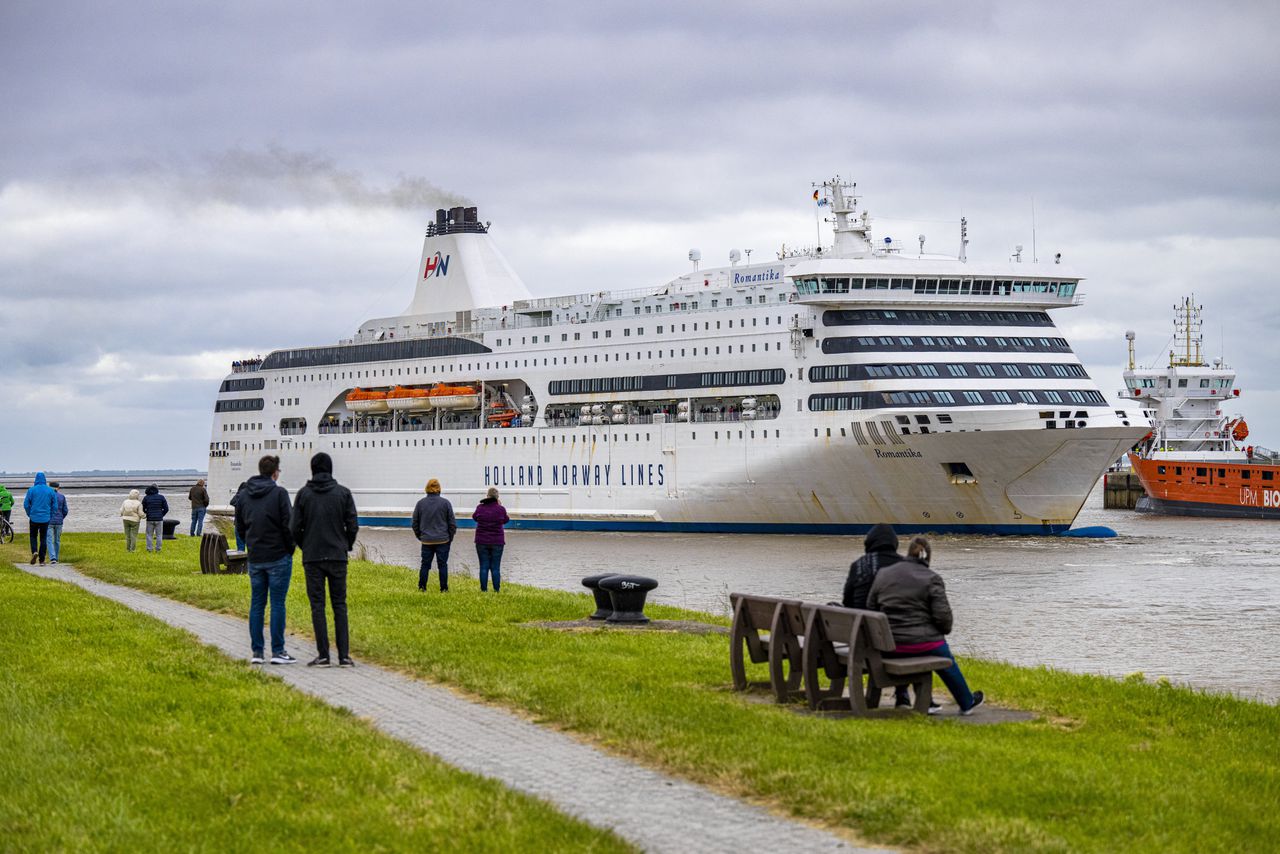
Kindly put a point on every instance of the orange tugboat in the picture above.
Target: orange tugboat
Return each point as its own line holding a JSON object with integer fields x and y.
{"x": 1195, "y": 461}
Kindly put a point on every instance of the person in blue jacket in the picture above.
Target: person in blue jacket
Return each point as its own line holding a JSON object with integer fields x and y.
{"x": 60, "y": 512}
{"x": 39, "y": 505}
{"x": 155, "y": 507}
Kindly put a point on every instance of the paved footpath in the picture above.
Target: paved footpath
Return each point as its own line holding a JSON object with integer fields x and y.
{"x": 651, "y": 810}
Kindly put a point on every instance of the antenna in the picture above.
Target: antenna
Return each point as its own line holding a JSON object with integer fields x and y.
{"x": 1034, "y": 259}
{"x": 964, "y": 237}
{"x": 1017, "y": 253}
{"x": 695, "y": 255}
{"x": 920, "y": 237}
{"x": 1129, "y": 336}
{"x": 748, "y": 254}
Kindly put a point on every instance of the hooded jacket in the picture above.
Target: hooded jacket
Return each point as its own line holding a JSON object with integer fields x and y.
{"x": 6, "y": 499}
{"x": 324, "y": 521}
{"x": 40, "y": 501}
{"x": 154, "y": 505}
{"x": 60, "y": 509}
{"x": 433, "y": 519}
{"x": 131, "y": 509}
{"x": 489, "y": 517}
{"x": 262, "y": 519}
{"x": 881, "y": 546}
{"x": 914, "y": 598}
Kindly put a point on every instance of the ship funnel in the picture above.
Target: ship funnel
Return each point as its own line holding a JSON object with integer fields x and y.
{"x": 461, "y": 269}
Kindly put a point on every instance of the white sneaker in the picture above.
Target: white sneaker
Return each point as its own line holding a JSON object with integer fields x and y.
{"x": 283, "y": 658}
{"x": 257, "y": 659}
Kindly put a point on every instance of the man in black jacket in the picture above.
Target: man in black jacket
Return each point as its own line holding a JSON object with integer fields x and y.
{"x": 324, "y": 525}
{"x": 262, "y": 521}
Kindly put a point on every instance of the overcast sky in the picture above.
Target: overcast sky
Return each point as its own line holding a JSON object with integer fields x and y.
{"x": 184, "y": 184}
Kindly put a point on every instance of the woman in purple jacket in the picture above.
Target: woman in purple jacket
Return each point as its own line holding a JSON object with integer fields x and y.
{"x": 490, "y": 516}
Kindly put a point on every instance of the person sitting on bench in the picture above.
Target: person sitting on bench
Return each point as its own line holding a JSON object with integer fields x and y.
{"x": 914, "y": 598}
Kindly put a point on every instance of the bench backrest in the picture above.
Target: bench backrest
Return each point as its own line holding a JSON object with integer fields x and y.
{"x": 758, "y": 612}
{"x": 841, "y": 625}
{"x": 213, "y": 551}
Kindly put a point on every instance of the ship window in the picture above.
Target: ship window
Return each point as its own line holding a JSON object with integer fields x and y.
{"x": 1266, "y": 475}
{"x": 1204, "y": 383}
{"x": 1222, "y": 472}
{"x": 1202, "y": 472}
{"x": 922, "y": 419}
{"x": 1182, "y": 383}
{"x": 1244, "y": 474}
{"x": 972, "y": 396}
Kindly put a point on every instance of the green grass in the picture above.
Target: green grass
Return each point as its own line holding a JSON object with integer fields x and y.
{"x": 1107, "y": 764}
{"x": 122, "y": 734}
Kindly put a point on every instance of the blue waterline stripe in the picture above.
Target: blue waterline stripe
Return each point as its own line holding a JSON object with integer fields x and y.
{"x": 733, "y": 527}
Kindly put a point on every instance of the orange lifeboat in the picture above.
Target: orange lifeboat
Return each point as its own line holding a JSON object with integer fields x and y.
{"x": 367, "y": 402}
{"x": 1240, "y": 430}
{"x": 501, "y": 415}
{"x": 454, "y": 397}
{"x": 402, "y": 399}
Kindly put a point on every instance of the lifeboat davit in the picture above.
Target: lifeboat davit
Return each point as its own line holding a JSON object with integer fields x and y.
{"x": 402, "y": 399}
{"x": 367, "y": 402}
{"x": 1240, "y": 431}
{"x": 454, "y": 397}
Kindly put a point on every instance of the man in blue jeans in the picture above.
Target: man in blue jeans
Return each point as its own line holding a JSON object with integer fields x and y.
{"x": 262, "y": 521}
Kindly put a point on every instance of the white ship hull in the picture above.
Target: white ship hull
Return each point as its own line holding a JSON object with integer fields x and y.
{"x": 1025, "y": 481}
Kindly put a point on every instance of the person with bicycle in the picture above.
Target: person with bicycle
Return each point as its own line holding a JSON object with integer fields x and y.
{"x": 6, "y": 502}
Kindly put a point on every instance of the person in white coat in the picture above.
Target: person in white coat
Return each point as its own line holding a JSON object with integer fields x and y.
{"x": 131, "y": 513}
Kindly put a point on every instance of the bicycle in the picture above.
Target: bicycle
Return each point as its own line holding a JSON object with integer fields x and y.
{"x": 6, "y": 531}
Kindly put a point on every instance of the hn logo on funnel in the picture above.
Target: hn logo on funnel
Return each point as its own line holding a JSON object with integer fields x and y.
{"x": 437, "y": 266}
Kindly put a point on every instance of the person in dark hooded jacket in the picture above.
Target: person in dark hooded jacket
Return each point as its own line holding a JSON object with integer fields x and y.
{"x": 881, "y": 547}
{"x": 324, "y": 526}
{"x": 262, "y": 521}
{"x": 154, "y": 506}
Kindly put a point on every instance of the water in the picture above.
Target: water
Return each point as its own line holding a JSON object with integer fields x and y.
{"x": 1174, "y": 597}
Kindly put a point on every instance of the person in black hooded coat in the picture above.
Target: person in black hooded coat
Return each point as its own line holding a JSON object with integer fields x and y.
{"x": 324, "y": 525}
{"x": 881, "y": 546}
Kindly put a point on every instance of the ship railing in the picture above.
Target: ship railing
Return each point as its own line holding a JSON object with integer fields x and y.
{"x": 292, "y": 431}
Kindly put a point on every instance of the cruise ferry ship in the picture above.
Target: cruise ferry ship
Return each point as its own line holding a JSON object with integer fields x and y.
{"x": 1197, "y": 460}
{"x": 820, "y": 391}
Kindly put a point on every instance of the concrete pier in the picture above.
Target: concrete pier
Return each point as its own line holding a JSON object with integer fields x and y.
{"x": 1121, "y": 490}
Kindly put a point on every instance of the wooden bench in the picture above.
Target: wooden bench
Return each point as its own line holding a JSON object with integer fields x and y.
{"x": 214, "y": 556}
{"x": 845, "y": 643}
{"x": 783, "y": 619}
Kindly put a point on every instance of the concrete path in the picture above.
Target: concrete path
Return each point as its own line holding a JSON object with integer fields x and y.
{"x": 651, "y": 810}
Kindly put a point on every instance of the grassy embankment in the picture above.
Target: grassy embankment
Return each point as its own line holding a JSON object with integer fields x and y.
{"x": 1107, "y": 764}
{"x": 122, "y": 734}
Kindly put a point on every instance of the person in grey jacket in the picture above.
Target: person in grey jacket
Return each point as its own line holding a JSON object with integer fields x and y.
{"x": 914, "y": 598}
{"x": 434, "y": 526}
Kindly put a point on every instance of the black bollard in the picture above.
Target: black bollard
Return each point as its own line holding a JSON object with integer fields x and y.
{"x": 627, "y": 593}
{"x": 604, "y": 605}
